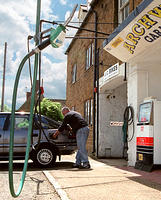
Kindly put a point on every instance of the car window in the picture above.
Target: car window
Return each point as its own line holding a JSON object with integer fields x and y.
{"x": 51, "y": 123}
{"x": 2, "y": 121}
{"x": 36, "y": 123}
{"x": 21, "y": 122}
{"x": 45, "y": 123}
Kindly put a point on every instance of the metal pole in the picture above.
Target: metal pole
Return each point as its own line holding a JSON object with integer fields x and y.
{"x": 39, "y": 94}
{"x": 94, "y": 85}
{"x": 28, "y": 48}
{"x": 85, "y": 29}
{"x": 3, "y": 82}
{"x": 77, "y": 37}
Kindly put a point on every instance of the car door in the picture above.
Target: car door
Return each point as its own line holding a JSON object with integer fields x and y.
{"x": 20, "y": 135}
{"x": 2, "y": 123}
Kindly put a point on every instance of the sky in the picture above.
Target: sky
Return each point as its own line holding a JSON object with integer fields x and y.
{"x": 18, "y": 20}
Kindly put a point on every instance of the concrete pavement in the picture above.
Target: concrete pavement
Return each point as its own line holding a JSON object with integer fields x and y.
{"x": 108, "y": 179}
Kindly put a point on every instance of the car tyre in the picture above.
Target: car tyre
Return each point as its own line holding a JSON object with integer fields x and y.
{"x": 44, "y": 157}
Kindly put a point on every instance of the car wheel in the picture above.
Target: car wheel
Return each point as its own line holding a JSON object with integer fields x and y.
{"x": 44, "y": 157}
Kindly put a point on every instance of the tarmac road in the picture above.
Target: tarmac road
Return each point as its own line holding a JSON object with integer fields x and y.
{"x": 36, "y": 186}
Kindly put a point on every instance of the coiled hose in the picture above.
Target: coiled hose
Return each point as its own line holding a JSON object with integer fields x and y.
{"x": 128, "y": 120}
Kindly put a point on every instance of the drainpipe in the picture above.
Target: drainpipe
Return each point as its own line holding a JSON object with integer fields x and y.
{"x": 94, "y": 83}
{"x": 133, "y": 5}
{"x": 97, "y": 77}
{"x": 125, "y": 75}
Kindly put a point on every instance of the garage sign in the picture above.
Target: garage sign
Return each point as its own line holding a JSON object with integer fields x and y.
{"x": 139, "y": 34}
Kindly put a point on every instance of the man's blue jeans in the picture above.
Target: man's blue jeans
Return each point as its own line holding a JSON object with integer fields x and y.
{"x": 81, "y": 137}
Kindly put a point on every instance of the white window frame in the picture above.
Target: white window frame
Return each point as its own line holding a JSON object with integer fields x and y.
{"x": 88, "y": 109}
{"x": 91, "y": 116}
{"x": 89, "y": 56}
{"x": 74, "y": 73}
{"x": 122, "y": 10}
{"x": 73, "y": 108}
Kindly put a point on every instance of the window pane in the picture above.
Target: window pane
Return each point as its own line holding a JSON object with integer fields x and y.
{"x": 91, "y": 112}
{"x": 126, "y": 11}
{"x": 85, "y": 111}
{"x": 87, "y": 59}
{"x": 92, "y": 53}
{"x": 21, "y": 122}
{"x": 122, "y": 2}
{"x": 122, "y": 13}
{"x": 2, "y": 120}
{"x": 88, "y": 109}
{"x": 74, "y": 73}
{"x": 73, "y": 108}
{"x": 90, "y": 56}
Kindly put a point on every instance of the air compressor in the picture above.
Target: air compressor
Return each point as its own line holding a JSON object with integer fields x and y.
{"x": 148, "y": 140}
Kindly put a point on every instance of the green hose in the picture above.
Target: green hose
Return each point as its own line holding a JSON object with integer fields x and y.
{"x": 12, "y": 129}
{"x": 11, "y": 185}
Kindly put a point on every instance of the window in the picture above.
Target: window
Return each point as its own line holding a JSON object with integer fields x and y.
{"x": 91, "y": 120}
{"x": 88, "y": 109}
{"x": 74, "y": 73}
{"x": 46, "y": 123}
{"x": 89, "y": 56}
{"x": 73, "y": 108}
{"x": 123, "y": 10}
{"x": 21, "y": 122}
{"x": 2, "y": 121}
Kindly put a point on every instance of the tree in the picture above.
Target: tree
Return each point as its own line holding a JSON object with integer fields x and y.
{"x": 51, "y": 109}
{"x": 6, "y": 108}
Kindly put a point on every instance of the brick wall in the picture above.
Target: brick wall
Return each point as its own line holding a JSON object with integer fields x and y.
{"x": 82, "y": 89}
{"x": 134, "y": 3}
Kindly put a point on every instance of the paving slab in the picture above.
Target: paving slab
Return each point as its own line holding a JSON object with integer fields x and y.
{"x": 108, "y": 179}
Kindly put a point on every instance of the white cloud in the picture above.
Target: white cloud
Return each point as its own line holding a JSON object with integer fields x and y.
{"x": 18, "y": 20}
{"x": 63, "y": 2}
{"x": 53, "y": 71}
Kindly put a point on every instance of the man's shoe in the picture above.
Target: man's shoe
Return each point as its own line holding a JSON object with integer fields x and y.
{"x": 85, "y": 166}
{"x": 75, "y": 165}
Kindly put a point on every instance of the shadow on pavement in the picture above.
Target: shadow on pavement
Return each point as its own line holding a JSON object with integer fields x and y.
{"x": 146, "y": 182}
{"x": 18, "y": 166}
{"x": 150, "y": 179}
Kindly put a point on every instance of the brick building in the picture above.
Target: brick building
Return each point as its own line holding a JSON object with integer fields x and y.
{"x": 82, "y": 64}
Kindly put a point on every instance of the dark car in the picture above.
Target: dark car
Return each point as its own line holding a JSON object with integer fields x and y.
{"x": 44, "y": 150}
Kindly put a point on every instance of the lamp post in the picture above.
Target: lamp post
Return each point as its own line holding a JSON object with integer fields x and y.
{"x": 3, "y": 82}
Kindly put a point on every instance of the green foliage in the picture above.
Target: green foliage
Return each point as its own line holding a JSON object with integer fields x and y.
{"x": 51, "y": 109}
{"x": 23, "y": 124}
{"x": 6, "y": 108}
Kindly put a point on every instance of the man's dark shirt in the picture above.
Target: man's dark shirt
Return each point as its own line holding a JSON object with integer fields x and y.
{"x": 75, "y": 120}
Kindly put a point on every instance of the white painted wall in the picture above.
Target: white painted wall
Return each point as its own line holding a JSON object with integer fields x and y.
{"x": 112, "y": 106}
